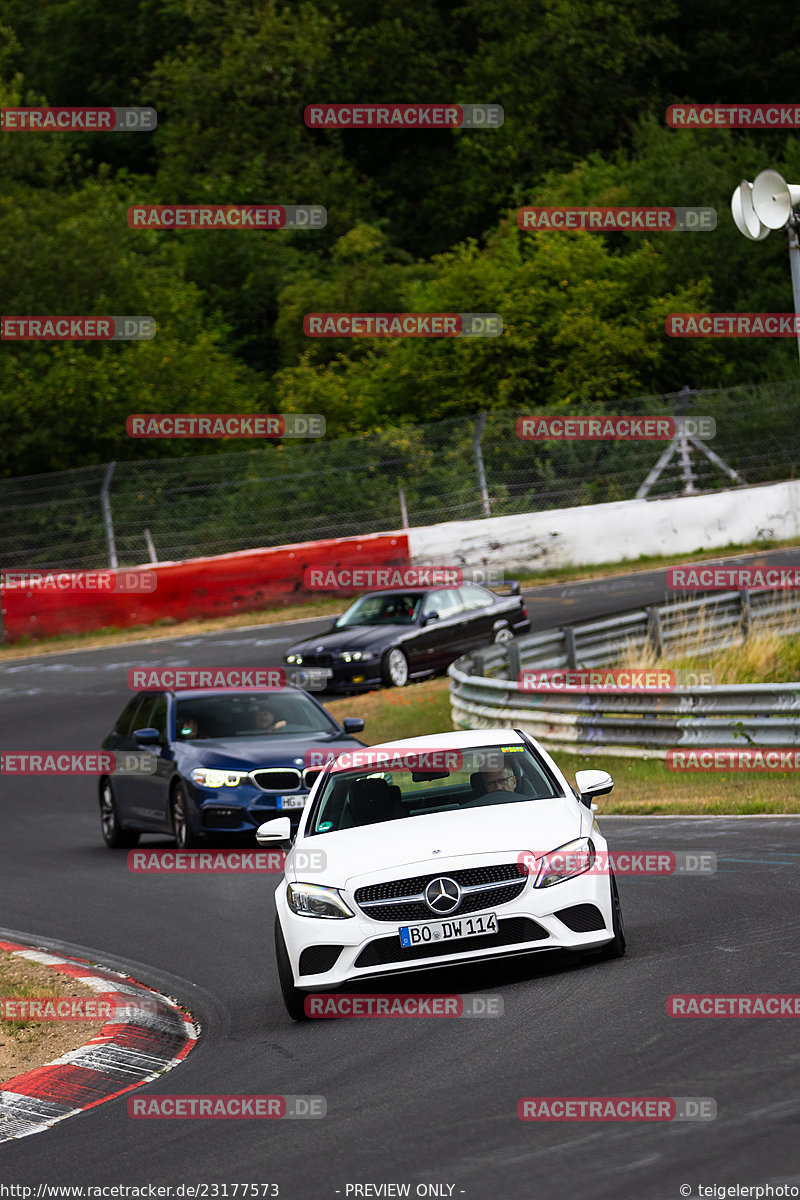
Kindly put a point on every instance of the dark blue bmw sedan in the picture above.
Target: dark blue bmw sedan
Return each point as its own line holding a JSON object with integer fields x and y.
{"x": 224, "y": 761}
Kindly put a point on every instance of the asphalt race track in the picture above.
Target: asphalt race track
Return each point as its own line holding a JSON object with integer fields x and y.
{"x": 409, "y": 1101}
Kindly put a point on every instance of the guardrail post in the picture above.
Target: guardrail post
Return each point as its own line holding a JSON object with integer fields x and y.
{"x": 569, "y": 646}
{"x": 746, "y": 613}
{"x": 654, "y": 635}
{"x": 514, "y": 660}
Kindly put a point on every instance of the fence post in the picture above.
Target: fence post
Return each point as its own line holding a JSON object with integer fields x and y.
{"x": 477, "y": 434}
{"x": 569, "y": 646}
{"x": 746, "y": 613}
{"x": 654, "y": 636}
{"x": 113, "y": 562}
{"x": 403, "y": 509}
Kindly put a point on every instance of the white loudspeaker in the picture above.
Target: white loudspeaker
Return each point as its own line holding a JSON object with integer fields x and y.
{"x": 744, "y": 215}
{"x": 773, "y": 198}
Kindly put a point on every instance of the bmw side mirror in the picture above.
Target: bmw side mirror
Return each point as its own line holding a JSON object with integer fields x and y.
{"x": 275, "y": 835}
{"x": 147, "y": 736}
{"x": 431, "y": 616}
{"x": 593, "y": 783}
{"x": 353, "y": 724}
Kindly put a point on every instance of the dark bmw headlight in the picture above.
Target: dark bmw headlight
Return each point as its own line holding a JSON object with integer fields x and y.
{"x": 355, "y": 655}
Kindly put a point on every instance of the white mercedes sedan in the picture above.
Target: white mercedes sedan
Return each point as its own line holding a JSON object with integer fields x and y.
{"x": 440, "y": 850}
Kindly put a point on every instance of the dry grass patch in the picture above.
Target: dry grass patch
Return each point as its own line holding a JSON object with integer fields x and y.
{"x": 25, "y": 1045}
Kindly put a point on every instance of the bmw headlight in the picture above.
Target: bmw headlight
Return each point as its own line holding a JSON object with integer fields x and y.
{"x": 312, "y": 900}
{"x": 574, "y": 858}
{"x": 294, "y": 659}
{"x": 355, "y": 655}
{"x": 211, "y": 777}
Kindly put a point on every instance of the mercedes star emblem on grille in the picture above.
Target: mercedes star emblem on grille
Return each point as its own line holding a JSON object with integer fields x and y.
{"x": 443, "y": 895}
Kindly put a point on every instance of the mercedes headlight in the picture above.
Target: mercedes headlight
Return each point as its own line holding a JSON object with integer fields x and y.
{"x": 312, "y": 900}
{"x": 215, "y": 778}
{"x": 574, "y": 858}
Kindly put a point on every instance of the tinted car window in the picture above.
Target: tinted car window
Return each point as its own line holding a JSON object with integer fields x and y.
{"x": 243, "y": 715}
{"x": 398, "y": 608}
{"x": 475, "y": 597}
{"x": 127, "y": 720}
{"x": 447, "y": 603}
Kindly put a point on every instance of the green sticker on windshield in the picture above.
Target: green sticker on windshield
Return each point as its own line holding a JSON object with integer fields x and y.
{"x": 325, "y": 826}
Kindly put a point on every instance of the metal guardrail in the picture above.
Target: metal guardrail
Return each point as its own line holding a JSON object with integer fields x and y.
{"x": 485, "y": 694}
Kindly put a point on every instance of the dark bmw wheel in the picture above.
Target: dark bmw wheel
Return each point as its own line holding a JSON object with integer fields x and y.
{"x": 115, "y": 834}
{"x": 185, "y": 837}
{"x": 394, "y": 668}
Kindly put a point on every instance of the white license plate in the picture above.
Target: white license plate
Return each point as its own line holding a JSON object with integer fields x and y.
{"x": 292, "y": 801}
{"x": 447, "y": 931}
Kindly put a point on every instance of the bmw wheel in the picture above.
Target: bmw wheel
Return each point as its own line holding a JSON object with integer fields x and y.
{"x": 615, "y": 948}
{"x": 293, "y": 997}
{"x": 185, "y": 837}
{"x": 394, "y": 668}
{"x": 502, "y": 635}
{"x": 115, "y": 834}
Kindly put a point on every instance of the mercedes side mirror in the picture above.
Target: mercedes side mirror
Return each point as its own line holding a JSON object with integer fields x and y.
{"x": 275, "y": 835}
{"x": 591, "y": 784}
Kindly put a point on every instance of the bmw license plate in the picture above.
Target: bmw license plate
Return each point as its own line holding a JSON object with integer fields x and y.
{"x": 447, "y": 931}
{"x": 292, "y": 801}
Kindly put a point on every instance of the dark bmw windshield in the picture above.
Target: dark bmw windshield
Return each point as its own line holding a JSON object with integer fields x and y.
{"x": 249, "y": 715}
{"x": 397, "y": 608}
{"x": 409, "y": 786}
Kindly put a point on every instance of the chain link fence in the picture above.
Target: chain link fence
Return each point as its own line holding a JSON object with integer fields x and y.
{"x": 458, "y": 469}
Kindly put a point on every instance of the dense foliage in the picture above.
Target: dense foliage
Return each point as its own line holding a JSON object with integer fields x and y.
{"x": 416, "y": 221}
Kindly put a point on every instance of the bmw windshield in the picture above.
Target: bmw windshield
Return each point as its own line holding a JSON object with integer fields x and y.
{"x": 396, "y": 608}
{"x": 369, "y": 786}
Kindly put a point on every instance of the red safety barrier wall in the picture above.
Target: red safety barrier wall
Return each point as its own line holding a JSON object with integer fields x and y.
{"x": 199, "y": 587}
